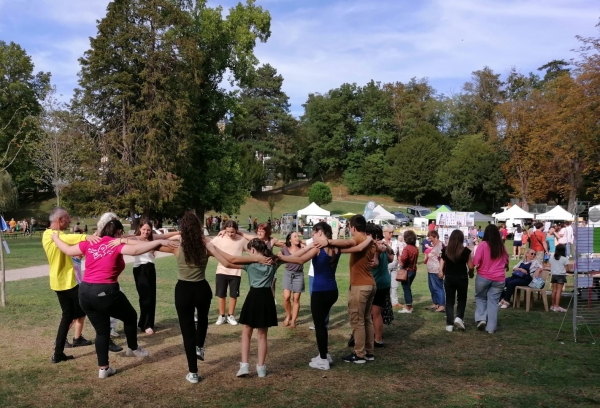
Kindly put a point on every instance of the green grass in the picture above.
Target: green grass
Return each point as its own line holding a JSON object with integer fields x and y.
{"x": 520, "y": 366}
{"x": 25, "y": 251}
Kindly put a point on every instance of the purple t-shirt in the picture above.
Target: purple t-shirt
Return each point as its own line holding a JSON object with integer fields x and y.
{"x": 488, "y": 268}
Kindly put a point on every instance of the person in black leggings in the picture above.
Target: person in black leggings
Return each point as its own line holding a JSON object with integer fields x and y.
{"x": 99, "y": 294}
{"x": 324, "y": 291}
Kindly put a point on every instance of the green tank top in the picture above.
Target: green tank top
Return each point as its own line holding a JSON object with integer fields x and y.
{"x": 191, "y": 273}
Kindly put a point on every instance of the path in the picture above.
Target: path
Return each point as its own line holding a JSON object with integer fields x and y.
{"x": 42, "y": 270}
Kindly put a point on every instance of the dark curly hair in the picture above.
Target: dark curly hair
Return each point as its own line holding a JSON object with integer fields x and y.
{"x": 288, "y": 240}
{"x": 261, "y": 247}
{"x": 374, "y": 231}
{"x": 192, "y": 241}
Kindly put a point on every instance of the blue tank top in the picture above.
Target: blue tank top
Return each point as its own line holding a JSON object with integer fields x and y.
{"x": 551, "y": 246}
{"x": 325, "y": 271}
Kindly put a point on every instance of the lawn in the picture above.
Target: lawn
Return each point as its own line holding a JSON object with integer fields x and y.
{"x": 423, "y": 365}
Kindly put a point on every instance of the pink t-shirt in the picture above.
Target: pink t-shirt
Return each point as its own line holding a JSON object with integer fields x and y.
{"x": 488, "y": 268}
{"x": 102, "y": 263}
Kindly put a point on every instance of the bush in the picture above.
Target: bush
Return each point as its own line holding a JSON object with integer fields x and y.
{"x": 320, "y": 194}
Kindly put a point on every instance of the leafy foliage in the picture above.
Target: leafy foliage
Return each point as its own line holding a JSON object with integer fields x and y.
{"x": 319, "y": 193}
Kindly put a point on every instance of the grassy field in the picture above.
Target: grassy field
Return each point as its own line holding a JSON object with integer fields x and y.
{"x": 519, "y": 366}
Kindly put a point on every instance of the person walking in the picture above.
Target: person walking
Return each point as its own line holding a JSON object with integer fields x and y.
{"x": 435, "y": 275}
{"x": 233, "y": 244}
{"x": 537, "y": 240}
{"x": 100, "y": 296}
{"x": 396, "y": 245}
{"x": 517, "y": 242}
{"x": 64, "y": 284}
{"x": 457, "y": 269}
{"x": 491, "y": 261}
{"x": 408, "y": 262}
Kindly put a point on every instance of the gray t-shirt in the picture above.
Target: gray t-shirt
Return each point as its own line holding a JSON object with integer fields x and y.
{"x": 558, "y": 267}
{"x": 259, "y": 275}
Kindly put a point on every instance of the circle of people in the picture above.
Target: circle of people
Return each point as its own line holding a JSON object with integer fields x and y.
{"x": 378, "y": 265}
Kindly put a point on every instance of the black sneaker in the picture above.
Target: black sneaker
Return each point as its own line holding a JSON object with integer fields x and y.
{"x": 112, "y": 346}
{"x": 351, "y": 341}
{"x": 379, "y": 345}
{"x": 67, "y": 344}
{"x": 353, "y": 358}
{"x": 81, "y": 341}
{"x": 57, "y": 358}
{"x": 370, "y": 357}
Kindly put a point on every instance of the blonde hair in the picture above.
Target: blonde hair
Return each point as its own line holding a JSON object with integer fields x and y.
{"x": 105, "y": 218}
{"x": 388, "y": 228}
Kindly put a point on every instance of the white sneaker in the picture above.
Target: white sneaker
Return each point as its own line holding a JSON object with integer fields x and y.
{"x": 481, "y": 325}
{"x": 140, "y": 352}
{"x": 405, "y": 310}
{"x": 195, "y": 319}
{"x": 231, "y": 320}
{"x": 220, "y": 320}
{"x": 311, "y": 327}
{"x": 553, "y": 309}
{"x": 450, "y": 328}
{"x": 261, "y": 371}
{"x": 320, "y": 363}
{"x": 318, "y": 357}
{"x": 114, "y": 333}
{"x": 192, "y": 377}
{"x": 244, "y": 370}
{"x": 458, "y": 323}
{"x": 105, "y": 373}
{"x": 200, "y": 353}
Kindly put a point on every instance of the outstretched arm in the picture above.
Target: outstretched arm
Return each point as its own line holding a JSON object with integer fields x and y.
{"x": 71, "y": 250}
{"x": 356, "y": 248}
{"x": 142, "y": 247}
{"x": 221, "y": 256}
{"x": 340, "y": 243}
{"x": 299, "y": 258}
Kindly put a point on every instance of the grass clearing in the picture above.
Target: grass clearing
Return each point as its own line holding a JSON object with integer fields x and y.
{"x": 520, "y": 366}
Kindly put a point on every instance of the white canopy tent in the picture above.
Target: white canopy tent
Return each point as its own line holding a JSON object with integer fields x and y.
{"x": 513, "y": 213}
{"x": 556, "y": 214}
{"x": 380, "y": 213}
{"x": 313, "y": 209}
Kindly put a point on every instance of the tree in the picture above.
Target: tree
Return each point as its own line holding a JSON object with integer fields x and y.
{"x": 413, "y": 165}
{"x": 55, "y": 152}
{"x": 320, "y": 194}
{"x": 150, "y": 84}
{"x": 461, "y": 199}
{"x": 263, "y": 121}
{"x": 474, "y": 166}
{"x": 271, "y": 203}
{"x": 8, "y": 200}
{"x": 20, "y": 93}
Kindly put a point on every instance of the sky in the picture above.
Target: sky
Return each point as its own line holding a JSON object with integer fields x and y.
{"x": 317, "y": 45}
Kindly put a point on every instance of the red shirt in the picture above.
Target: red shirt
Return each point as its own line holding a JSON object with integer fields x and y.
{"x": 537, "y": 239}
{"x": 409, "y": 257}
{"x": 431, "y": 226}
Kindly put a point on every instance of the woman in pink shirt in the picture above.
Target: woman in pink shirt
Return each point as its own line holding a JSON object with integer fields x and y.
{"x": 99, "y": 294}
{"x": 491, "y": 261}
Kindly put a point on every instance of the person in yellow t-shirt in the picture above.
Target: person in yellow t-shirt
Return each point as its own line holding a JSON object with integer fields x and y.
{"x": 62, "y": 281}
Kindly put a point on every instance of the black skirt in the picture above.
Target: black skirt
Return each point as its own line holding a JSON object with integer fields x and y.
{"x": 259, "y": 309}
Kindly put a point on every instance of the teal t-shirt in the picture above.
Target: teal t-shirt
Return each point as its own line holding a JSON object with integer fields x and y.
{"x": 259, "y": 275}
{"x": 381, "y": 274}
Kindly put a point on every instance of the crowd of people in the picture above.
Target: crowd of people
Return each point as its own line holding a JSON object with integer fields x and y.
{"x": 379, "y": 265}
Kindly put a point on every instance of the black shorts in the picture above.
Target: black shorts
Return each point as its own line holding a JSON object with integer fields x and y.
{"x": 69, "y": 301}
{"x": 222, "y": 281}
{"x": 380, "y": 295}
{"x": 562, "y": 279}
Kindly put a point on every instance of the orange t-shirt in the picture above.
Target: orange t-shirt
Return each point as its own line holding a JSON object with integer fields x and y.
{"x": 360, "y": 275}
{"x": 537, "y": 240}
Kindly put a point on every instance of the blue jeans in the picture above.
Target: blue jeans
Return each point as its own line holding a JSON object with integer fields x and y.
{"x": 487, "y": 296}
{"x": 408, "y": 299}
{"x": 436, "y": 287}
{"x": 311, "y": 280}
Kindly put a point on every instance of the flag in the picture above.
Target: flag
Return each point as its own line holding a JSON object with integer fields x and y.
{"x": 3, "y": 226}
{"x": 369, "y": 209}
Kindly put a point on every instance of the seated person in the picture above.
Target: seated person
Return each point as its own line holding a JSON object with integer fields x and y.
{"x": 523, "y": 274}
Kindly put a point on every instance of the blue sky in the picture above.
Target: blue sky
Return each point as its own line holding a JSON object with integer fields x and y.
{"x": 318, "y": 45}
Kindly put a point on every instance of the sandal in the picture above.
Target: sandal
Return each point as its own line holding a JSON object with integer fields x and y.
{"x": 440, "y": 309}
{"x": 432, "y": 307}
